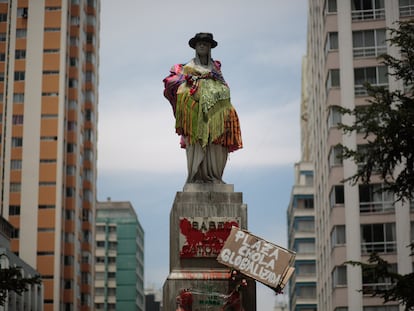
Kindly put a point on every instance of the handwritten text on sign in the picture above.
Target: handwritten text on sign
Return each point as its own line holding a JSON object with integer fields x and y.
{"x": 255, "y": 257}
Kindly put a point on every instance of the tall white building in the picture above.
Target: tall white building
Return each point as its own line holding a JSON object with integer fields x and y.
{"x": 344, "y": 39}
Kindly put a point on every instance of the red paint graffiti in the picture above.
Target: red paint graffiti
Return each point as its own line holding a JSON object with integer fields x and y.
{"x": 204, "y": 242}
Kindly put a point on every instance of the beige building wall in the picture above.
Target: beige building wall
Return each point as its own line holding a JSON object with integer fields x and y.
{"x": 343, "y": 215}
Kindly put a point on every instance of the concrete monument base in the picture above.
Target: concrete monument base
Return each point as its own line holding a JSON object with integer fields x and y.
{"x": 200, "y": 220}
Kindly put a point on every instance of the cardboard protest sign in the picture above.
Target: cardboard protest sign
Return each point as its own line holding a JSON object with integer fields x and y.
{"x": 261, "y": 260}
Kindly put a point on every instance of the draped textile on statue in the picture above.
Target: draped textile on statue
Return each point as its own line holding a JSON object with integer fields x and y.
{"x": 200, "y": 100}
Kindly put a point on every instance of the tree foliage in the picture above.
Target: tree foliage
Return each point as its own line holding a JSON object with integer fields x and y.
{"x": 387, "y": 122}
{"x": 11, "y": 279}
{"x": 401, "y": 288}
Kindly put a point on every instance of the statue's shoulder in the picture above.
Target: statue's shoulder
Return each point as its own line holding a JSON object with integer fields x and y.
{"x": 177, "y": 68}
{"x": 217, "y": 64}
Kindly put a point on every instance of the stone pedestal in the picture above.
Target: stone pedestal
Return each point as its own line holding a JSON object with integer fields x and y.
{"x": 199, "y": 217}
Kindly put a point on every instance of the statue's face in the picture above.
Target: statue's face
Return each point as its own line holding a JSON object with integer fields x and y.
{"x": 203, "y": 48}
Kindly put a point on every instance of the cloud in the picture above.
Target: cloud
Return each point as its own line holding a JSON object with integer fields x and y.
{"x": 141, "y": 137}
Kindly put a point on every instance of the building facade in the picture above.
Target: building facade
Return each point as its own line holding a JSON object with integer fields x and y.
{"x": 32, "y": 299}
{"x": 119, "y": 258}
{"x": 301, "y": 219}
{"x": 48, "y": 115}
{"x": 345, "y": 37}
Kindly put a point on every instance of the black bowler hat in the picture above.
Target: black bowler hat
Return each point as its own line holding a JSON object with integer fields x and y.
{"x": 202, "y": 36}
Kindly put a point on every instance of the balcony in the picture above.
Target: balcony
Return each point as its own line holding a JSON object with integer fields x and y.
{"x": 371, "y": 14}
{"x": 407, "y": 10}
{"x": 369, "y": 51}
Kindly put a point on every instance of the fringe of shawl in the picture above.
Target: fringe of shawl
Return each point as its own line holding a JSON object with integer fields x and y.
{"x": 220, "y": 125}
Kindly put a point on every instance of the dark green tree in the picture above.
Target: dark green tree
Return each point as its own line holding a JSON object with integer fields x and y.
{"x": 388, "y": 125}
{"x": 11, "y": 279}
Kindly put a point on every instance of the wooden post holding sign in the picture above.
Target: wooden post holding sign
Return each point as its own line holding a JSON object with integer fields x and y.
{"x": 259, "y": 259}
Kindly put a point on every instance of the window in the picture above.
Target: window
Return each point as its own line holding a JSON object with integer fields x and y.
{"x": 378, "y": 238}
{"x": 73, "y": 104}
{"x": 22, "y": 12}
{"x": 17, "y": 119}
{"x": 16, "y": 164}
{"x": 406, "y": 8}
{"x": 2, "y": 57}
{"x": 3, "y": 17}
{"x": 306, "y": 290}
{"x": 85, "y": 278}
{"x": 90, "y": 76}
{"x": 70, "y": 192}
{"x": 90, "y": 38}
{"x": 369, "y": 42}
{"x": 45, "y": 206}
{"x": 335, "y": 156}
{"x": 17, "y": 141}
{"x": 331, "y": 6}
{"x": 14, "y": 234}
{"x": 88, "y": 174}
{"x": 337, "y": 195}
{"x": 15, "y": 187}
{"x": 90, "y": 57}
{"x": 20, "y": 54}
{"x": 3, "y": 37}
{"x": 74, "y": 41}
{"x": 338, "y": 236}
{"x": 71, "y": 125}
{"x": 333, "y": 79}
{"x": 371, "y": 281}
{"x": 305, "y": 246}
{"x": 14, "y": 210}
{"x": 334, "y": 117}
{"x": 307, "y": 268}
{"x": 339, "y": 276}
{"x": 304, "y": 224}
{"x": 69, "y": 215}
{"x": 374, "y": 75}
{"x": 373, "y": 199}
{"x": 68, "y": 260}
{"x": 21, "y": 33}
{"x": 67, "y": 284}
{"x": 70, "y": 148}
{"x": 332, "y": 41}
{"x": 308, "y": 203}
{"x": 1, "y": 76}
{"x": 88, "y": 115}
{"x": 367, "y": 9}
{"x": 18, "y": 97}
{"x": 73, "y": 83}
{"x": 70, "y": 170}
{"x": 19, "y": 75}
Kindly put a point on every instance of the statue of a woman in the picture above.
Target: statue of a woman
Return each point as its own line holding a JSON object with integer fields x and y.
{"x": 205, "y": 118}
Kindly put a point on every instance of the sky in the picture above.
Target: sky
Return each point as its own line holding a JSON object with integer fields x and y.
{"x": 260, "y": 45}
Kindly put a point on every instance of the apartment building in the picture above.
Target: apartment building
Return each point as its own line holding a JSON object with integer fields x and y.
{"x": 301, "y": 218}
{"x": 48, "y": 123}
{"x": 119, "y": 258}
{"x": 345, "y": 37}
{"x": 32, "y": 299}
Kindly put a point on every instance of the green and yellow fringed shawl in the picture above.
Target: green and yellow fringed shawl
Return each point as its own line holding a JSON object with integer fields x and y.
{"x": 204, "y": 112}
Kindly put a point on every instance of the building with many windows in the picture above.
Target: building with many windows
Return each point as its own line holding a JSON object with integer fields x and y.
{"x": 119, "y": 258}
{"x": 48, "y": 123}
{"x": 32, "y": 299}
{"x": 301, "y": 220}
{"x": 345, "y": 37}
